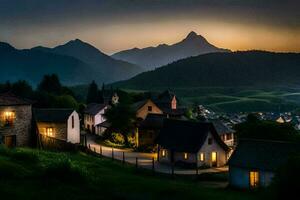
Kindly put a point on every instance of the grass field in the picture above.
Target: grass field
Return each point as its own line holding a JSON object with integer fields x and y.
{"x": 31, "y": 174}
{"x": 242, "y": 99}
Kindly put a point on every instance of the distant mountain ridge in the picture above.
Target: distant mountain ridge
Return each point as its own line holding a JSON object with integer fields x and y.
{"x": 248, "y": 68}
{"x": 75, "y": 62}
{"x": 112, "y": 69}
{"x": 153, "y": 57}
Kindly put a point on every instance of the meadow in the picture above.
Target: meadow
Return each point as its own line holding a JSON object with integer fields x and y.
{"x": 34, "y": 174}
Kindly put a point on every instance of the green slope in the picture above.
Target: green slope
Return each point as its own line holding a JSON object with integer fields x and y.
{"x": 31, "y": 174}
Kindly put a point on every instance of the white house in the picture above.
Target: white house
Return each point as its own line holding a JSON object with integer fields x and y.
{"x": 57, "y": 123}
{"x": 94, "y": 116}
{"x": 191, "y": 143}
{"x": 254, "y": 162}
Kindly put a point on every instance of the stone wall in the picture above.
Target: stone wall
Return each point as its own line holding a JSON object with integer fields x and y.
{"x": 21, "y": 126}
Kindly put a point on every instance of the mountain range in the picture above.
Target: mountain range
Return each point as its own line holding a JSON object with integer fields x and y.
{"x": 153, "y": 57}
{"x": 76, "y": 62}
{"x": 234, "y": 69}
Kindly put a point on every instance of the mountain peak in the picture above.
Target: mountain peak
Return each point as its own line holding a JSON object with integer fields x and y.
{"x": 4, "y": 45}
{"x": 191, "y": 35}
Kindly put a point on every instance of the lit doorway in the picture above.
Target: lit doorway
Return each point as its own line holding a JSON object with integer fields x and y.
{"x": 214, "y": 159}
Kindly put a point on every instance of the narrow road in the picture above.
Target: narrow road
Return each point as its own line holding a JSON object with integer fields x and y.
{"x": 144, "y": 159}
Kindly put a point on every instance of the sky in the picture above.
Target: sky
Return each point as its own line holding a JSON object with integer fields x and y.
{"x": 114, "y": 25}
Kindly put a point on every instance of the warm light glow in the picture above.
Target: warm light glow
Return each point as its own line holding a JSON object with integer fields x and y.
{"x": 163, "y": 153}
{"x": 185, "y": 156}
{"x": 214, "y": 157}
{"x": 49, "y": 131}
{"x": 9, "y": 117}
{"x": 202, "y": 157}
{"x": 254, "y": 179}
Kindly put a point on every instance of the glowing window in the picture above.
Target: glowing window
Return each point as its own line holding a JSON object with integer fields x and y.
{"x": 49, "y": 131}
{"x": 163, "y": 153}
{"x": 202, "y": 157}
{"x": 254, "y": 179}
{"x": 185, "y": 156}
{"x": 9, "y": 118}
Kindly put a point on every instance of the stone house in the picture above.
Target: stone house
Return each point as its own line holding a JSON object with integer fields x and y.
{"x": 59, "y": 124}
{"x": 15, "y": 121}
{"x": 94, "y": 116}
{"x": 189, "y": 143}
{"x": 254, "y": 162}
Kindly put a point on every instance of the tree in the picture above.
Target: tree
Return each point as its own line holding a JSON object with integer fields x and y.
{"x": 267, "y": 130}
{"x": 50, "y": 84}
{"x": 22, "y": 89}
{"x": 65, "y": 101}
{"x": 93, "y": 93}
{"x": 122, "y": 119}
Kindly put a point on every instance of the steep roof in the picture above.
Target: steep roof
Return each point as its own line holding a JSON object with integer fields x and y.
{"x": 153, "y": 121}
{"x": 136, "y": 106}
{"x": 164, "y": 99}
{"x": 262, "y": 154}
{"x": 104, "y": 124}
{"x": 10, "y": 99}
{"x": 187, "y": 136}
{"x": 221, "y": 128}
{"x": 94, "y": 108}
{"x": 54, "y": 115}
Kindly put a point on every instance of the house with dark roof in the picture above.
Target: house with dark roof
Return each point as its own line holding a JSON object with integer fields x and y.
{"x": 227, "y": 134}
{"x": 94, "y": 116}
{"x": 145, "y": 107}
{"x": 193, "y": 143}
{"x": 15, "y": 120}
{"x": 254, "y": 162}
{"x": 59, "y": 124}
{"x": 148, "y": 130}
{"x": 168, "y": 103}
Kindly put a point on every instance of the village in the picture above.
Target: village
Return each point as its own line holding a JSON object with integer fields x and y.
{"x": 161, "y": 138}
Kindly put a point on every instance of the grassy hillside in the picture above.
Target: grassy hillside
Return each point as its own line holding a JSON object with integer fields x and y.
{"x": 31, "y": 174}
{"x": 238, "y": 69}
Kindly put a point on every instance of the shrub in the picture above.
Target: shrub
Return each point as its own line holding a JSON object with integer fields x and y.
{"x": 117, "y": 138}
{"x": 286, "y": 180}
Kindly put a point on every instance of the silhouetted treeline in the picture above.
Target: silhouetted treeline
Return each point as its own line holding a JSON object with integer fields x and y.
{"x": 49, "y": 94}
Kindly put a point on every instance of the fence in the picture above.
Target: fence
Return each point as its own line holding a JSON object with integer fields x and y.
{"x": 143, "y": 161}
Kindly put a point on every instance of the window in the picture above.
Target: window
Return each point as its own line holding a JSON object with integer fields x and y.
{"x": 9, "y": 118}
{"x": 229, "y": 136}
{"x": 72, "y": 121}
{"x": 185, "y": 156}
{"x": 49, "y": 131}
{"x": 202, "y": 157}
{"x": 149, "y": 108}
{"x": 163, "y": 153}
{"x": 254, "y": 179}
{"x": 210, "y": 141}
{"x": 214, "y": 159}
